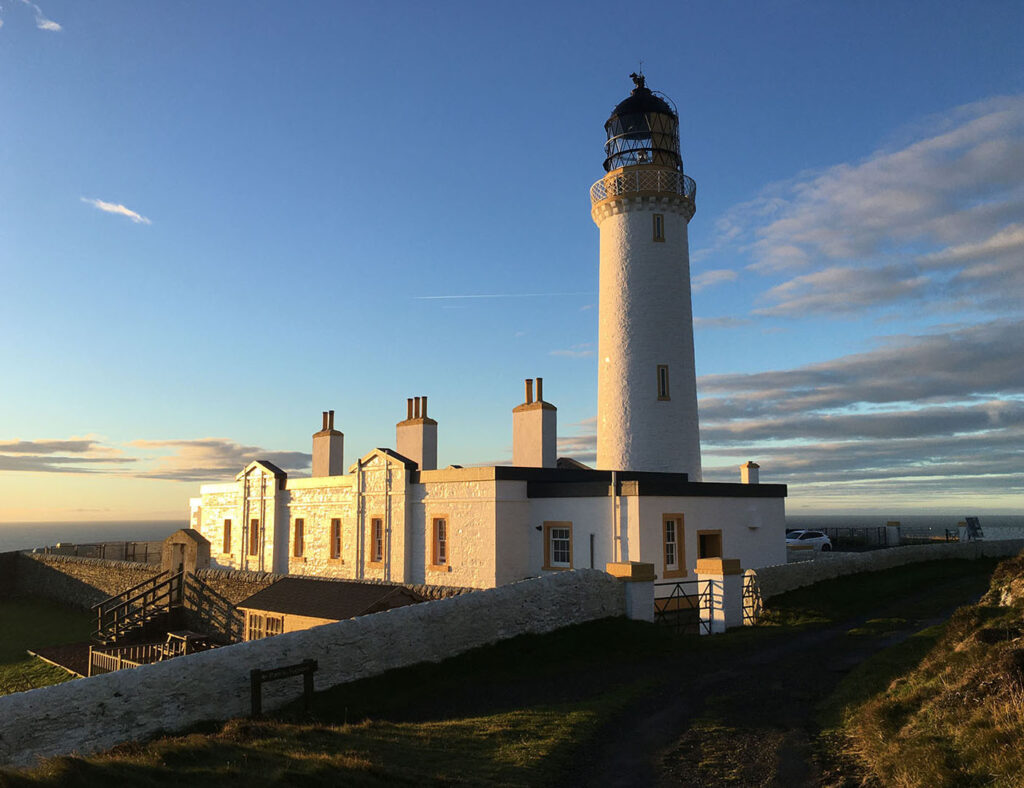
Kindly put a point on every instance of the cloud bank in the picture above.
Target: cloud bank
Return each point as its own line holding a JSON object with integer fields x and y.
{"x": 202, "y": 459}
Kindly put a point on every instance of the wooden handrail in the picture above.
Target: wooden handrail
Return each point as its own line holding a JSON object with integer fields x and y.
{"x": 153, "y": 579}
{"x": 168, "y": 582}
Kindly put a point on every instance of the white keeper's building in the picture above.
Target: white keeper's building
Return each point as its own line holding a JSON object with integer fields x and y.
{"x": 393, "y": 515}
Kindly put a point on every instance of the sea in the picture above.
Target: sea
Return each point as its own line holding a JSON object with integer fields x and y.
{"x": 25, "y": 536}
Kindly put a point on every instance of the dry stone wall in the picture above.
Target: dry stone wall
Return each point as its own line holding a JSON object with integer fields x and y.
{"x": 775, "y": 580}
{"x": 88, "y": 715}
{"x": 76, "y": 581}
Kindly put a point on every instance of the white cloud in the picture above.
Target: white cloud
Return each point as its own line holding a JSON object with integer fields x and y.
{"x": 110, "y": 207}
{"x": 584, "y": 350}
{"x": 711, "y": 278}
{"x": 203, "y": 459}
{"x": 719, "y": 322}
{"x": 42, "y": 22}
{"x": 844, "y": 289}
{"x": 938, "y": 216}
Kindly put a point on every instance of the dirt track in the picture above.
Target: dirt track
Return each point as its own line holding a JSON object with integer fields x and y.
{"x": 748, "y": 719}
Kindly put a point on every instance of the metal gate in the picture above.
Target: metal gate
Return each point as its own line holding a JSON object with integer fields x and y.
{"x": 753, "y": 605}
{"x": 686, "y": 607}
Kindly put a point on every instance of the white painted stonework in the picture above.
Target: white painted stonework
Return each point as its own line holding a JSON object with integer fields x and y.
{"x": 646, "y": 320}
{"x": 495, "y": 518}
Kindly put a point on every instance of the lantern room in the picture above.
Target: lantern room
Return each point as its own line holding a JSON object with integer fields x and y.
{"x": 642, "y": 129}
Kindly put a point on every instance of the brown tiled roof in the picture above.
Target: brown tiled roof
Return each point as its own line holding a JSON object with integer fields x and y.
{"x": 332, "y": 599}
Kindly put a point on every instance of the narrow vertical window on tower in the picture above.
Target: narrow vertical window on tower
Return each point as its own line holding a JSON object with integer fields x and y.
{"x": 254, "y": 537}
{"x": 226, "y": 547}
{"x": 336, "y": 538}
{"x": 663, "y": 382}
{"x": 300, "y": 537}
{"x": 659, "y": 227}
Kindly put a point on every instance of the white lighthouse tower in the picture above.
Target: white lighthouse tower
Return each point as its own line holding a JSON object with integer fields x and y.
{"x": 647, "y": 390}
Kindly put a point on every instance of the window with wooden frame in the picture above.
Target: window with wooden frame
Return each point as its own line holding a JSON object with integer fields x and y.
{"x": 275, "y": 626}
{"x": 254, "y": 631}
{"x": 254, "y": 537}
{"x": 336, "y": 538}
{"x": 377, "y": 540}
{"x": 659, "y": 227}
{"x": 558, "y": 545}
{"x": 226, "y": 546}
{"x": 663, "y": 382}
{"x": 439, "y": 556}
{"x": 262, "y": 626}
{"x": 674, "y": 550}
{"x": 299, "y": 542}
{"x": 709, "y": 544}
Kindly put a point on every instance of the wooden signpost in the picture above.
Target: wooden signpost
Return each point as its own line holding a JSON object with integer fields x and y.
{"x": 257, "y": 678}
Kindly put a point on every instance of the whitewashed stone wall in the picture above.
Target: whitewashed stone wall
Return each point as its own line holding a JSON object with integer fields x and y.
{"x": 469, "y": 507}
{"x": 89, "y": 715}
{"x": 775, "y": 580}
{"x": 317, "y": 502}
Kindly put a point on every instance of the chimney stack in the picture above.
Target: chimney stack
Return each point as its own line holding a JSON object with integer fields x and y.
{"x": 534, "y": 430}
{"x": 416, "y": 437}
{"x": 328, "y": 449}
{"x": 748, "y": 473}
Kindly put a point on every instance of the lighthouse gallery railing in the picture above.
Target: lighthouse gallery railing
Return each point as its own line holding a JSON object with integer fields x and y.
{"x": 654, "y": 180}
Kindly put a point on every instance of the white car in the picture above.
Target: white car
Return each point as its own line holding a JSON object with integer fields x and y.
{"x": 808, "y": 540}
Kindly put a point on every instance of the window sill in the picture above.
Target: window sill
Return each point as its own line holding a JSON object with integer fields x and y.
{"x": 674, "y": 573}
{"x": 439, "y": 567}
{"x": 336, "y": 559}
{"x": 375, "y": 564}
{"x": 547, "y": 568}
{"x": 298, "y": 559}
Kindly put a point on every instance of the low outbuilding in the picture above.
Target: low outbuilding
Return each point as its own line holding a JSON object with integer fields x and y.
{"x": 296, "y": 603}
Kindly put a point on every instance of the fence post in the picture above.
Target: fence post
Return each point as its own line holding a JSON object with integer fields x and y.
{"x": 721, "y": 583}
{"x": 638, "y": 585}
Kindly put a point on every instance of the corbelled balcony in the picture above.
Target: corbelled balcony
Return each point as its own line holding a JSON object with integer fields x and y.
{"x": 642, "y": 181}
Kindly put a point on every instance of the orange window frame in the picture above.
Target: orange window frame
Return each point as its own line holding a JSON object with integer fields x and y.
{"x": 680, "y": 544}
{"x": 439, "y": 524}
{"x": 549, "y": 526}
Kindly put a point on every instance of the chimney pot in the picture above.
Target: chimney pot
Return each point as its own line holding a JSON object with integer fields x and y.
{"x": 416, "y": 408}
{"x": 424, "y": 407}
{"x": 330, "y": 419}
{"x": 325, "y": 420}
{"x": 408, "y": 406}
{"x": 529, "y": 390}
{"x": 540, "y": 389}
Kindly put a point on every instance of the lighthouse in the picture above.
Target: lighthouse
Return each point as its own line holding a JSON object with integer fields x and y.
{"x": 647, "y": 388}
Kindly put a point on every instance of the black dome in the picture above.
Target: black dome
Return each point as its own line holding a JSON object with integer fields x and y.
{"x": 640, "y": 102}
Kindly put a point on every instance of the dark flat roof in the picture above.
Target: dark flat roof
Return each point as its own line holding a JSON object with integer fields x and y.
{"x": 333, "y": 599}
{"x": 591, "y": 483}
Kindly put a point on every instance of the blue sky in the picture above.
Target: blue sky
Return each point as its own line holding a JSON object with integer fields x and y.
{"x": 220, "y": 219}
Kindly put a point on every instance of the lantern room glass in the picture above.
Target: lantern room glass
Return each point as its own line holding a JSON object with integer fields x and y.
{"x": 643, "y": 129}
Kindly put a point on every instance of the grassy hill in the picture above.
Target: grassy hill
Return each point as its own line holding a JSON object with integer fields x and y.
{"x": 835, "y": 686}
{"x": 953, "y": 712}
